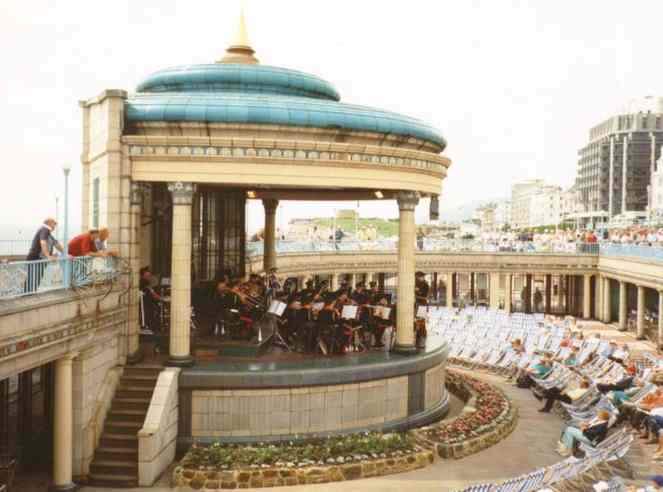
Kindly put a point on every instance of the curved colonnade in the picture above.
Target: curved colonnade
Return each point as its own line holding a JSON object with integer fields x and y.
{"x": 624, "y": 289}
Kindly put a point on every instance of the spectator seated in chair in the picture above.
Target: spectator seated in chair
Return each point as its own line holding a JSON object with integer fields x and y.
{"x": 590, "y": 433}
{"x": 567, "y": 396}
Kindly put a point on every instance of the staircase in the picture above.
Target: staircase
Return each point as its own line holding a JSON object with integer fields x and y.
{"x": 115, "y": 462}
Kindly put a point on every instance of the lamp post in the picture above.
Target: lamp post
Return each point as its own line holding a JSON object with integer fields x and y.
{"x": 66, "y": 168}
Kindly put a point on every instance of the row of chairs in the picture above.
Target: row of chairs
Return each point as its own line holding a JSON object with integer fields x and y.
{"x": 482, "y": 338}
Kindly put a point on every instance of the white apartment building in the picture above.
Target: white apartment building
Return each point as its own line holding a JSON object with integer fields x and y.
{"x": 545, "y": 207}
{"x": 521, "y": 196}
{"x": 656, "y": 192}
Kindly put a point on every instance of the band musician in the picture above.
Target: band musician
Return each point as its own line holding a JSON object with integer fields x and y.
{"x": 421, "y": 289}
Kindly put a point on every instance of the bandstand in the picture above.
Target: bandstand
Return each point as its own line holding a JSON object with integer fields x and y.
{"x": 169, "y": 169}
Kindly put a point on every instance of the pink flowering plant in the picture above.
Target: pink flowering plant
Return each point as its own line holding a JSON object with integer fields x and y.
{"x": 491, "y": 407}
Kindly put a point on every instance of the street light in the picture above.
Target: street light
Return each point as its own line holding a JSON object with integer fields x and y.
{"x": 66, "y": 168}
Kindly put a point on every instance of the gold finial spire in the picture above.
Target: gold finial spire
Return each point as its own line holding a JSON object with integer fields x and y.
{"x": 240, "y": 50}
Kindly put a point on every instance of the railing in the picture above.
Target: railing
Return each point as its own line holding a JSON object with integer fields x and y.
{"x": 642, "y": 251}
{"x": 428, "y": 245}
{"x": 23, "y": 278}
{"x": 14, "y": 247}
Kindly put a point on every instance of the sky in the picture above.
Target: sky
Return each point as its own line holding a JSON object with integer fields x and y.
{"x": 514, "y": 85}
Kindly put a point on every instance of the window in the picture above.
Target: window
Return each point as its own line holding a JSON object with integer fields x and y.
{"x": 95, "y": 203}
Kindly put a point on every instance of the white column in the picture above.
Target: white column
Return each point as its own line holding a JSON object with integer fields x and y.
{"x": 507, "y": 296}
{"x": 180, "y": 307}
{"x": 407, "y": 201}
{"x": 450, "y": 292}
{"x": 640, "y": 326}
{"x": 134, "y": 354}
{"x": 369, "y": 278}
{"x": 660, "y": 318}
{"x": 63, "y": 425}
{"x": 587, "y": 297}
{"x": 598, "y": 294}
{"x": 623, "y": 306}
{"x": 333, "y": 282}
{"x": 606, "y": 300}
{"x": 494, "y": 286}
{"x": 352, "y": 280}
{"x": 269, "y": 255}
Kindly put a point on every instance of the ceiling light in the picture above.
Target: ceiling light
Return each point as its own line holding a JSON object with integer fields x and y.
{"x": 379, "y": 195}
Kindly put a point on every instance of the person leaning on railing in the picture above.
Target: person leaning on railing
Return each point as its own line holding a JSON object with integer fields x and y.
{"x": 41, "y": 248}
{"x": 84, "y": 245}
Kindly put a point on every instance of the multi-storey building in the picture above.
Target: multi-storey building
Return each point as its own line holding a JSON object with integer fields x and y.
{"x": 656, "y": 193}
{"x": 521, "y": 194}
{"x": 546, "y": 207}
{"x": 615, "y": 166}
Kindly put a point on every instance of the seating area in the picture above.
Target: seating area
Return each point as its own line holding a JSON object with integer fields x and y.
{"x": 553, "y": 357}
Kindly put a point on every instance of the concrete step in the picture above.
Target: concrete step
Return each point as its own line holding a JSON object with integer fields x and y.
{"x": 141, "y": 404}
{"x": 138, "y": 382}
{"x": 118, "y": 440}
{"x": 123, "y": 427}
{"x": 134, "y": 393}
{"x": 113, "y": 480}
{"x": 107, "y": 453}
{"x": 128, "y": 467}
{"x": 127, "y": 415}
{"x": 151, "y": 372}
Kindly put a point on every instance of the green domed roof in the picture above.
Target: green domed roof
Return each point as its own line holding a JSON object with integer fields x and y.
{"x": 257, "y": 94}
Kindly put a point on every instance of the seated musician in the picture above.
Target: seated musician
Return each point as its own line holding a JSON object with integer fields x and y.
{"x": 381, "y": 321}
{"x": 151, "y": 300}
{"x": 307, "y": 328}
{"x": 328, "y": 322}
{"x": 372, "y": 292}
{"x": 228, "y": 306}
{"x": 344, "y": 328}
{"x": 360, "y": 298}
{"x": 273, "y": 282}
{"x": 421, "y": 289}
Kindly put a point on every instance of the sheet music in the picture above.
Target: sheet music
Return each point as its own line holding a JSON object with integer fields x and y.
{"x": 383, "y": 312}
{"x": 422, "y": 311}
{"x": 277, "y": 308}
{"x": 349, "y": 312}
{"x": 318, "y": 306}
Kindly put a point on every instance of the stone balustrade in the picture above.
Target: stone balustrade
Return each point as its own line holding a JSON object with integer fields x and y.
{"x": 157, "y": 438}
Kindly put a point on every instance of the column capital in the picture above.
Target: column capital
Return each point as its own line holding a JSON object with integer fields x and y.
{"x": 182, "y": 192}
{"x": 407, "y": 200}
{"x": 68, "y": 358}
{"x": 270, "y": 204}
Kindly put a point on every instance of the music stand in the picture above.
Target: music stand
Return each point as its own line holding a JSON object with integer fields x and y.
{"x": 276, "y": 309}
{"x": 350, "y": 312}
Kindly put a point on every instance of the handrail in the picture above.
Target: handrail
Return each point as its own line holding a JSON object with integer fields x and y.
{"x": 21, "y": 278}
{"x": 427, "y": 245}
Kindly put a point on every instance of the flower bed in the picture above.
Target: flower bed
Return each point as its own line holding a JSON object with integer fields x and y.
{"x": 491, "y": 418}
{"x": 316, "y": 461}
{"x": 488, "y": 417}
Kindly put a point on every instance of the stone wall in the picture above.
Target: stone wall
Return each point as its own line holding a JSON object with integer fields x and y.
{"x": 95, "y": 410}
{"x": 157, "y": 439}
{"x": 240, "y": 415}
{"x": 298, "y": 410}
{"x": 186, "y": 479}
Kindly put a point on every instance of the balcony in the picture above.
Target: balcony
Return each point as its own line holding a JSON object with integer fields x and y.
{"x": 22, "y": 278}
